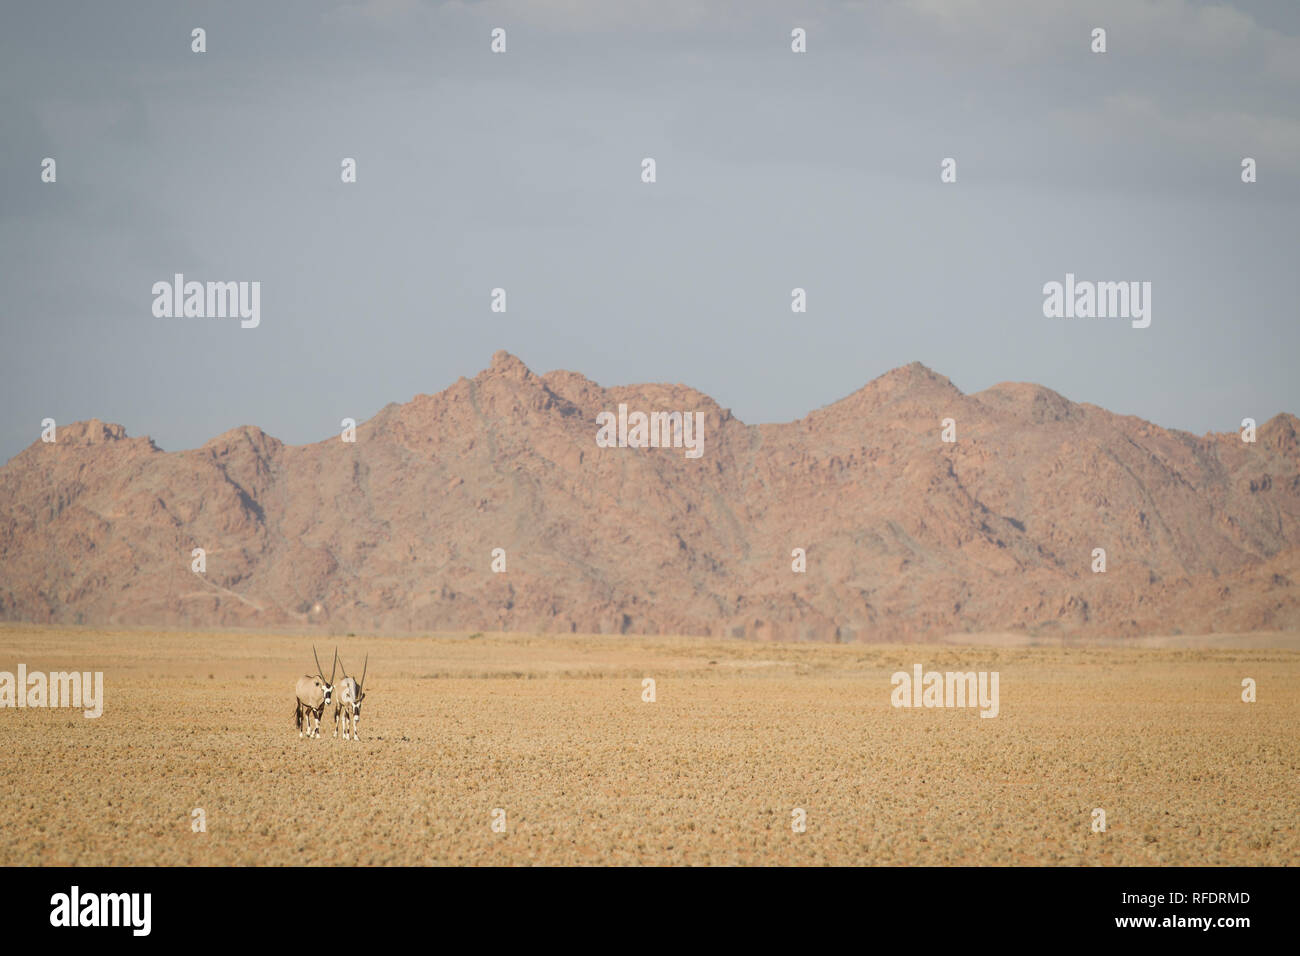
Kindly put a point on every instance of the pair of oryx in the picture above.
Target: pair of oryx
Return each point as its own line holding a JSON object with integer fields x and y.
{"x": 316, "y": 693}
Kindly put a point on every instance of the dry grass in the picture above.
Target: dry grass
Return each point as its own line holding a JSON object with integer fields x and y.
{"x": 553, "y": 730}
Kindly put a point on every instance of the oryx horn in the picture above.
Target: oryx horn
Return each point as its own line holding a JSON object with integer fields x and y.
{"x": 362, "y": 683}
{"x": 319, "y": 672}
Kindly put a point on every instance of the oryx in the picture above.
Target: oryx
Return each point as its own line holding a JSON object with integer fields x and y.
{"x": 314, "y": 694}
{"x": 347, "y": 704}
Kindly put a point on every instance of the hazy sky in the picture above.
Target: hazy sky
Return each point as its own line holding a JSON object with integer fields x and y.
{"x": 522, "y": 170}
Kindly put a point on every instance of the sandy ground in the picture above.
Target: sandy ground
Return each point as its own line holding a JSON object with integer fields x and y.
{"x": 554, "y": 731}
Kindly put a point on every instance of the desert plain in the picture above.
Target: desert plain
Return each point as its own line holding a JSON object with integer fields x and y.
{"x": 554, "y": 731}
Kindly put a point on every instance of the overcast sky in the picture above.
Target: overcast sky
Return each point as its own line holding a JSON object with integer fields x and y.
{"x": 522, "y": 170}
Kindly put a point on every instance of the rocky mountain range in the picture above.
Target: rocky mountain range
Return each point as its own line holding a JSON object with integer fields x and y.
{"x": 905, "y": 536}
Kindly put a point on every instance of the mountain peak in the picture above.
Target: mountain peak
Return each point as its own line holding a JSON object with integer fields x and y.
{"x": 1027, "y": 401}
{"x": 907, "y": 382}
{"x": 506, "y": 365}
{"x": 912, "y": 374}
{"x": 242, "y": 436}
